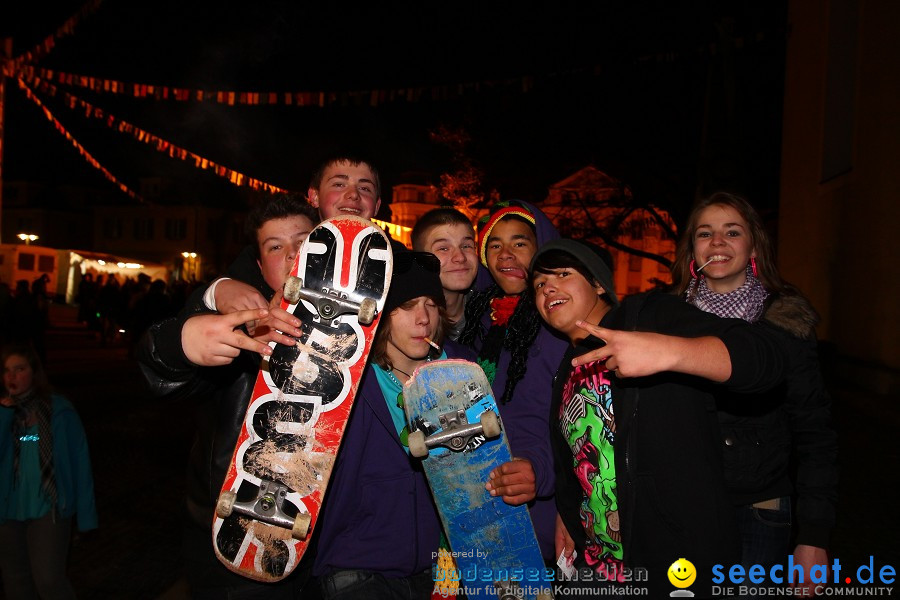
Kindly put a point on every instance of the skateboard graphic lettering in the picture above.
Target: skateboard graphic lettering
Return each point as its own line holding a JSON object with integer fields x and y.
{"x": 301, "y": 400}
{"x": 455, "y": 428}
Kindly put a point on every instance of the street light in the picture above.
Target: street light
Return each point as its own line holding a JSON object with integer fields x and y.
{"x": 27, "y": 237}
{"x": 190, "y": 265}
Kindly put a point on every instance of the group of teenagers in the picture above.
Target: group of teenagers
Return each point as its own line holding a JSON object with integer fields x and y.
{"x": 685, "y": 423}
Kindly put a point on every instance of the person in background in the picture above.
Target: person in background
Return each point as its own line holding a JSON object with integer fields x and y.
{"x": 46, "y": 484}
{"x": 449, "y": 235}
{"x": 725, "y": 265}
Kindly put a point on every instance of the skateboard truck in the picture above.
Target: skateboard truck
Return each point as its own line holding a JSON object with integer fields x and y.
{"x": 266, "y": 507}
{"x": 456, "y": 432}
{"x": 330, "y": 304}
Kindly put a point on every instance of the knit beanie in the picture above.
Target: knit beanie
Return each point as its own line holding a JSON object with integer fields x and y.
{"x": 593, "y": 257}
{"x": 415, "y": 274}
{"x": 498, "y": 212}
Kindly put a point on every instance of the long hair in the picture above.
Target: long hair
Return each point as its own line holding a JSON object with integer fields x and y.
{"x": 521, "y": 331}
{"x": 760, "y": 242}
{"x": 39, "y": 382}
{"x": 383, "y": 335}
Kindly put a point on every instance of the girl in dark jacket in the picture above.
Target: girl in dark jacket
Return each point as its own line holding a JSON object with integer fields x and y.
{"x": 725, "y": 265}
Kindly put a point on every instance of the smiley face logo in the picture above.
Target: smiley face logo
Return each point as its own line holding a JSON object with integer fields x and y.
{"x": 682, "y": 573}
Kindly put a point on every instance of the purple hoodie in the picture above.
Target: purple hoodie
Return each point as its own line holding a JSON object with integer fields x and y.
{"x": 526, "y": 415}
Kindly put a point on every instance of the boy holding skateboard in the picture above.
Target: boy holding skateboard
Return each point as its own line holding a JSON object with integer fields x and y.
{"x": 174, "y": 357}
{"x": 641, "y": 486}
{"x": 379, "y": 529}
{"x": 519, "y": 355}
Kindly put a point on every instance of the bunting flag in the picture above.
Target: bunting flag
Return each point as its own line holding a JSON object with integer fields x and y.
{"x": 375, "y": 97}
{"x": 319, "y": 99}
{"x": 160, "y": 145}
{"x": 67, "y": 28}
{"x": 81, "y": 149}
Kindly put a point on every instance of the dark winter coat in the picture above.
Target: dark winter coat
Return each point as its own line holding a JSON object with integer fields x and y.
{"x": 670, "y": 485}
{"x": 763, "y": 434}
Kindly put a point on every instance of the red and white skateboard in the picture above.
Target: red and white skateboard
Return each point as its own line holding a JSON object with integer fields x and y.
{"x": 301, "y": 401}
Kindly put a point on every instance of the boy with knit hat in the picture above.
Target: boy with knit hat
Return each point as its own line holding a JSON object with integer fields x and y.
{"x": 640, "y": 488}
{"x": 379, "y": 528}
{"x": 519, "y": 354}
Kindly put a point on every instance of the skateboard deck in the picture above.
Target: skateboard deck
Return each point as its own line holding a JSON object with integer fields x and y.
{"x": 455, "y": 426}
{"x": 301, "y": 400}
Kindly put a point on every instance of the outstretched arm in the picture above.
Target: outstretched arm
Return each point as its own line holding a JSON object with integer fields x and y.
{"x": 212, "y": 340}
{"x": 638, "y": 353}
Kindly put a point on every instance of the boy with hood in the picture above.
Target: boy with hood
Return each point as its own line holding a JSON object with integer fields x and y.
{"x": 519, "y": 355}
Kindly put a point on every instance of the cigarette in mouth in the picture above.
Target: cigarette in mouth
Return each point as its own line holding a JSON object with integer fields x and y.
{"x": 432, "y": 344}
{"x": 704, "y": 266}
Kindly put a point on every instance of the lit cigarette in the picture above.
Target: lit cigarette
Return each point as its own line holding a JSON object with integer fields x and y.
{"x": 704, "y": 266}
{"x": 432, "y": 344}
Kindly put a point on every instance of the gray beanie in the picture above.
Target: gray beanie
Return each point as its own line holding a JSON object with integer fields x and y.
{"x": 594, "y": 258}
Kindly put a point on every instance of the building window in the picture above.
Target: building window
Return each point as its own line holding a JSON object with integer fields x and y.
{"x": 112, "y": 228}
{"x": 143, "y": 228}
{"x": 636, "y": 229}
{"x": 634, "y": 262}
{"x": 46, "y": 264}
{"x": 176, "y": 229}
{"x": 26, "y": 261}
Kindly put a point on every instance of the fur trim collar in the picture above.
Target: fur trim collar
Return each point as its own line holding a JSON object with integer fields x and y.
{"x": 793, "y": 313}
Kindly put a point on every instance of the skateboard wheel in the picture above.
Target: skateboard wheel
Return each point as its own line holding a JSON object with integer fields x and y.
{"x": 490, "y": 424}
{"x": 301, "y": 526}
{"x": 292, "y": 288}
{"x": 367, "y": 311}
{"x": 417, "y": 447}
{"x": 225, "y": 504}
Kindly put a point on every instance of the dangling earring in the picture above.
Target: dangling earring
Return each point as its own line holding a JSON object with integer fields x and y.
{"x": 693, "y": 272}
{"x": 753, "y": 267}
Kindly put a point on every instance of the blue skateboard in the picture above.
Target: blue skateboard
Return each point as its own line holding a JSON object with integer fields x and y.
{"x": 455, "y": 428}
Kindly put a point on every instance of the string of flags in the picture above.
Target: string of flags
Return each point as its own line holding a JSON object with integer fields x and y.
{"x": 24, "y": 69}
{"x": 81, "y": 149}
{"x": 373, "y": 97}
{"x": 159, "y": 144}
{"x": 44, "y": 47}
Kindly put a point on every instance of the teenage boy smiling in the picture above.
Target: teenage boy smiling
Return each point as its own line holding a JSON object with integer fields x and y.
{"x": 639, "y": 479}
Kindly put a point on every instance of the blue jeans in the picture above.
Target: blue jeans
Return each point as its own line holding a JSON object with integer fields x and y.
{"x": 765, "y": 534}
{"x": 765, "y": 538}
{"x": 366, "y": 585}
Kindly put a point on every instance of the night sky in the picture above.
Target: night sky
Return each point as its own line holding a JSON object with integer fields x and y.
{"x": 670, "y": 97}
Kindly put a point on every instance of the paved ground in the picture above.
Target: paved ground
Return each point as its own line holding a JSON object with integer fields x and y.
{"x": 139, "y": 448}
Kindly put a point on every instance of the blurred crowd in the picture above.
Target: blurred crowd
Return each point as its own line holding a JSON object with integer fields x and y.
{"x": 116, "y": 311}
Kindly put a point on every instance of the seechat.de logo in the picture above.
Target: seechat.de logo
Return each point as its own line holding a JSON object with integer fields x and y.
{"x": 829, "y": 579}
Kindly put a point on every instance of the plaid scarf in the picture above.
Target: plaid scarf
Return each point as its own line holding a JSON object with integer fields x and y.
{"x": 746, "y": 302}
{"x": 28, "y": 406}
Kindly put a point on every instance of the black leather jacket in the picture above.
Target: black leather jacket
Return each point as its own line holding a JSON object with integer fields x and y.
{"x": 218, "y": 395}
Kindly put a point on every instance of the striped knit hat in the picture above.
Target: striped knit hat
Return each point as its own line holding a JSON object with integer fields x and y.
{"x": 498, "y": 212}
